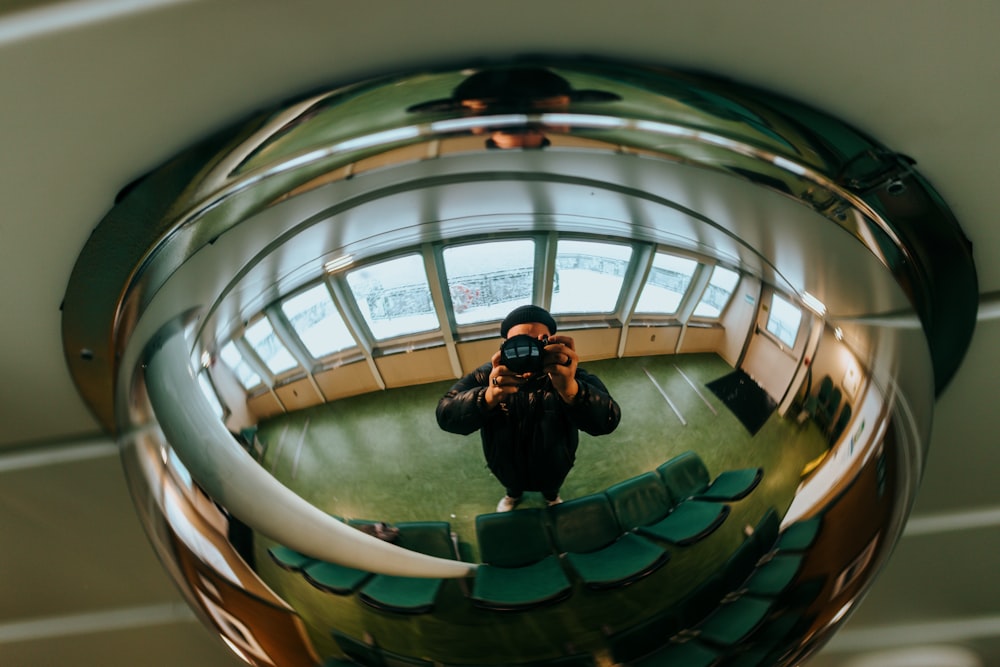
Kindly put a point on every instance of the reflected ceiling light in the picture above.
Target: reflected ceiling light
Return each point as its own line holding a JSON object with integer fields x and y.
{"x": 582, "y": 120}
{"x": 339, "y": 263}
{"x": 678, "y": 160}
{"x": 789, "y": 165}
{"x": 813, "y": 304}
{"x": 839, "y": 333}
{"x": 842, "y": 612}
{"x": 479, "y": 122}
{"x": 378, "y": 139}
{"x": 666, "y": 129}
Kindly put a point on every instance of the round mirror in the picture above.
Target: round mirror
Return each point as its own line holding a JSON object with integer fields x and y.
{"x": 741, "y": 311}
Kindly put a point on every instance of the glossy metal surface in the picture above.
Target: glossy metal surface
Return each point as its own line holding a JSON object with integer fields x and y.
{"x": 793, "y": 199}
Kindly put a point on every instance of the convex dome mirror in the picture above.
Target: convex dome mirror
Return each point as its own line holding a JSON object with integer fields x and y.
{"x": 268, "y": 320}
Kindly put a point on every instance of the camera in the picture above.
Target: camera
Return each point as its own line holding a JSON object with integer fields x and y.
{"x": 523, "y": 354}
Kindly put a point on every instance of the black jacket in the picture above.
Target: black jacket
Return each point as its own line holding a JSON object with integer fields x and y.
{"x": 530, "y": 440}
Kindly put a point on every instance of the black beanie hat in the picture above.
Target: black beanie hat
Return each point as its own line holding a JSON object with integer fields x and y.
{"x": 526, "y": 315}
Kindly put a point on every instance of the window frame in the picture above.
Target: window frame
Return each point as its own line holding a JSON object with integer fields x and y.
{"x": 708, "y": 284}
{"x": 770, "y": 313}
{"x": 630, "y": 267}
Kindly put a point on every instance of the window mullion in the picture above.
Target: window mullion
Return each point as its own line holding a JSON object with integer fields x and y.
{"x": 253, "y": 360}
{"x": 343, "y": 301}
{"x": 289, "y": 338}
{"x": 699, "y": 283}
{"x": 546, "y": 248}
{"x": 436, "y": 282}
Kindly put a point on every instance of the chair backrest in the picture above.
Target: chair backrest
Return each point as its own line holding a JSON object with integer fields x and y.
{"x": 512, "y": 539}
{"x": 428, "y": 537}
{"x": 639, "y": 501}
{"x": 825, "y": 387}
{"x": 833, "y": 402}
{"x": 765, "y": 533}
{"x": 742, "y": 562}
{"x": 684, "y": 476}
{"x": 583, "y": 524}
{"x": 842, "y": 420}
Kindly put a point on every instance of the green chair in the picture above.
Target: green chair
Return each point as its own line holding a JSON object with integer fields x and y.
{"x": 772, "y": 577}
{"x": 742, "y": 563}
{"x": 412, "y": 595}
{"x": 334, "y": 578}
{"x": 800, "y": 535}
{"x": 826, "y": 411}
{"x": 644, "y": 504}
{"x": 768, "y": 643}
{"x": 681, "y": 654}
{"x": 686, "y": 477}
{"x": 519, "y": 568}
{"x": 765, "y": 533}
{"x": 732, "y": 485}
{"x": 702, "y": 601}
{"x": 691, "y": 521}
{"x": 843, "y": 419}
{"x": 639, "y": 501}
{"x": 359, "y": 651}
{"x": 644, "y": 638}
{"x": 586, "y": 531}
{"x": 289, "y": 559}
{"x": 821, "y": 398}
{"x": 734, "y": 621}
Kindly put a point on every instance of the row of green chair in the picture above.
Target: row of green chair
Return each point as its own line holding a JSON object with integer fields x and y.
{"x": 598, "y": 535}
{"x": 408, "y": 595}
{"x": 826, "y": 409}
{"x": 633, "y": 643}
{"x": 520, "y": 553}
{"x": 680, "y": 503}
{"x": 601, "y": 535}
{"x": 750, "y": 622}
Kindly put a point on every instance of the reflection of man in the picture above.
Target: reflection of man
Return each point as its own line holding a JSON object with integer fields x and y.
{"x": 524, "y": 89}
{"x": 529, "y": 422}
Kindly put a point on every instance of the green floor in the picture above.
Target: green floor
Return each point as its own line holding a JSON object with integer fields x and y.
{"x": 349, "y": 459}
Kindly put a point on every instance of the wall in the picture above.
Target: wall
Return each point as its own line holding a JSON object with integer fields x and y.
{"x": 738, "y": 319}
{"x": 771, "y": 364}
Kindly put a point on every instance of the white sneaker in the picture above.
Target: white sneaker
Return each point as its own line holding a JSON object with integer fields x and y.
{"x": 507, "y": 503}
{"x": 554, "y": 502}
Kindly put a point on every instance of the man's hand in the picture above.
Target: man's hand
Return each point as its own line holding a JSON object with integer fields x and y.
{"x": 560, "y": 361}
{"x": 502, "y": 383}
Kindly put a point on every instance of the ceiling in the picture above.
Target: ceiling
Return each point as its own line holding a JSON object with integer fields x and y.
{"x": 97, "y": 93}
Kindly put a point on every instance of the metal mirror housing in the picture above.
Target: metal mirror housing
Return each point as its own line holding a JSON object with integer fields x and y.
{"x": 798, "y": 204}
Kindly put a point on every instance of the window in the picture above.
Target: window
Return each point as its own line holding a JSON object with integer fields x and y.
{"x": 720, "y": 289}
{"x": 488, "y": 280}
{"x": 783, "y": 320}
{"x": 271, "y": 351}
{"x": 588, "y": 276}
{"x": 394, "y": 297}
{"x": 317, "y": 323}
{"x": 244, "y": 373}
{"x": 666, "y": 285}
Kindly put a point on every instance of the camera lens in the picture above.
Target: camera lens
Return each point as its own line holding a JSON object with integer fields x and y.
{"x": 522, "y": 354}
